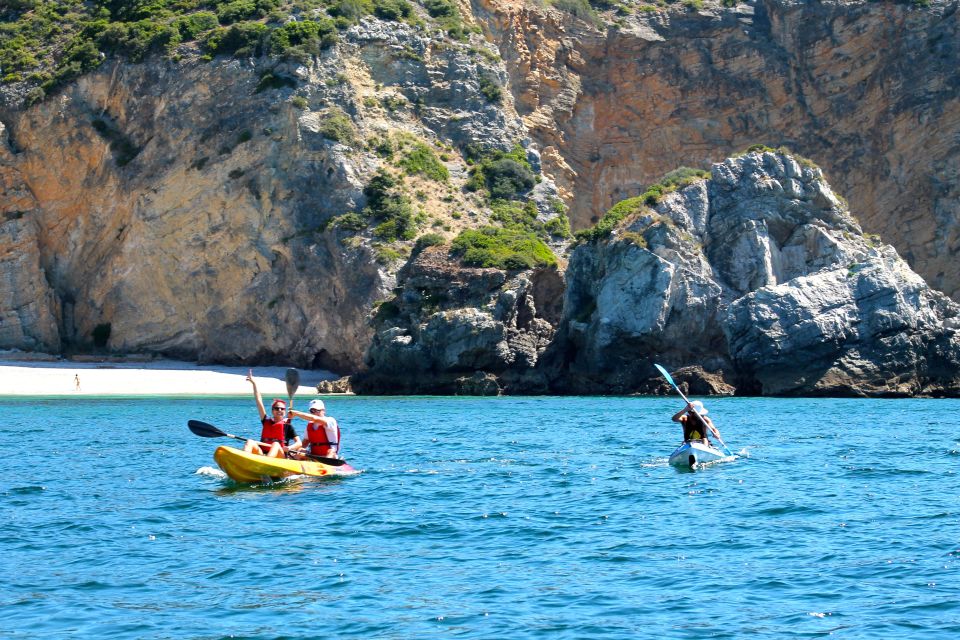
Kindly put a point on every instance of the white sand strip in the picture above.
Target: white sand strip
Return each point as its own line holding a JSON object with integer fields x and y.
{"x": 159, "y": 377}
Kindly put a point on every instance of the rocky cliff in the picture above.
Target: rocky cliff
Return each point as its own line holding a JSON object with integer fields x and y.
{"x": 755, "y": 281}
{"x": 459, "y": 330}
{"x": 196, "y": 209}
{"x": 184, "y": 208}
{"x": 762, "y": 277}
{"x": 870, "y": 90}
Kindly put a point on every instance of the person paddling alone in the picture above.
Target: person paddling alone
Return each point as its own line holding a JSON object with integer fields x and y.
{"x": 695, "y": 426}
{"x": 323, "y": 432}
{"x": 277, "y": 432}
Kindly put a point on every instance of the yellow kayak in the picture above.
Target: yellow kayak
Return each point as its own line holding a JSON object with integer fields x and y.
{"x": 250, "y": 467}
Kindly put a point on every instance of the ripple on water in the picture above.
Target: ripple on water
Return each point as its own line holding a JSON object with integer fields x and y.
{"x": 847, "y": 524}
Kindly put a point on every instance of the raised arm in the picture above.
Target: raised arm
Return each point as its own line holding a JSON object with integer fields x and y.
{"x": 256, "y": 395}
{"x": 309, "y": 417}
{"x": 676, "y": 416}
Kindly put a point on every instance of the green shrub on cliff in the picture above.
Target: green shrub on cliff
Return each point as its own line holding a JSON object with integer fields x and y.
{"x": 578, "y": 8}
{"x": 502, "y": 249}
{"x": 391, "y": 208}
{"x": 447, "y": 15}
{"x": 558, "y": 227}
{"x": 338, "y": 126}
{"x": 505, "y": 174}
{"x": 515, "y": 215}
{"x": 237, "y": 10}
{"x": 241, "y": 40}
{"x": 418, "y": 158}
{"x": 135, "y": 40}
{"x": 676, "y": 179}
{"x": 428, "y": 240}
{"x": 616, "y": 214}
{"x": 303, "y": 38}
{"x": 490, "y": 88}
{"x": 395, "y": 10}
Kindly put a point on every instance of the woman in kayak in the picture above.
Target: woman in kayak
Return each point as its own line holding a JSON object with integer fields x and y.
{"x": 694, "y": 426}
{"x": 323, "y": 432}
{"x": 277, "y": 432}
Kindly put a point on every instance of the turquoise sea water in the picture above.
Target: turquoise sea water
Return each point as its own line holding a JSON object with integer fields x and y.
{"x": 512, "y": 517}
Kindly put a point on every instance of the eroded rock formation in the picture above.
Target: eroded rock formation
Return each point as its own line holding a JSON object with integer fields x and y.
{"x": 871, "y": 91}
{"x": 760, "y": 275}
{"x": 454, "y": 329}
{"x": 182, "y": 208}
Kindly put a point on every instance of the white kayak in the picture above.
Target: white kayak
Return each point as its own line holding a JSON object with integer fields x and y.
{"x": 690, "y": 454}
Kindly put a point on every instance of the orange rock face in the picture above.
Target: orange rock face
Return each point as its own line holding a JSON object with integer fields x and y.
{"x": 870, "y": 92}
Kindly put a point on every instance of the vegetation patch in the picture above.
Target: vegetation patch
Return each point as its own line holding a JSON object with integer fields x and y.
{"x": 396, "y": 10}
{"x": 419, "y": 159}
{"x": 338, "y": 126}
{"x": 447, "y": 15}
{"x": 302, "y": 39}
{"x": 490, "y": 88}
{"x": 390, "y": 208}
{"x": 676, "y": 179}
{"x": 269, "y": 81}
{"x": 558, "y": 227}
{"x": 242, "y": 40}
{"x": 505, "y": 175}
{"x": 427, "y": 240}
{"x": 502, "y": 249}
{"x": 579, "y": 8}
{"x": 349, "y": 222}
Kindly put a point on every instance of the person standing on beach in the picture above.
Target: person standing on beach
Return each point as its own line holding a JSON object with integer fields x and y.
{"x": 76, "y": 382}
{"x": 277, "y": 433}
{"x": 323, "y": 432}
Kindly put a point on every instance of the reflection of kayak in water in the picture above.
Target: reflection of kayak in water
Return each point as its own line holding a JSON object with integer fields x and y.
{"x": 690, "y": 454}
{"x": 251, "y": 467}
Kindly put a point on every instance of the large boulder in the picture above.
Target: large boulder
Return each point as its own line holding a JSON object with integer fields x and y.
{"x": 461, "y": 330}
{"x": 759, "y": 275}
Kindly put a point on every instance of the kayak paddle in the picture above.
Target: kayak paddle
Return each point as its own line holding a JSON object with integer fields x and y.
{"x": 673, "y": 384}
{"x": 207, "y": 430}
{"x": 293, "y": 382}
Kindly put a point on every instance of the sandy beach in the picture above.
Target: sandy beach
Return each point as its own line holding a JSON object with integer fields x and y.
{"x": 155, "y": 377}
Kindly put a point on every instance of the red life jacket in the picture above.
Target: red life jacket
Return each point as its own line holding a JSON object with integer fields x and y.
{"x": 273, "y": 432}
{"x": 320, "y": 445}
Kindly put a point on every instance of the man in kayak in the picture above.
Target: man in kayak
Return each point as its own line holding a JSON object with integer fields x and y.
{"x": 323, "y": 432}
{"x": 277, "y": 432}
{"x": 695, "y": 427}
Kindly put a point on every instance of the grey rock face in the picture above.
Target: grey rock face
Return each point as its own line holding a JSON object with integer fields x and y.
{"x": 872, "y": 328}
{"x": 759, "y": 274}
{"x": 461, "y": 330}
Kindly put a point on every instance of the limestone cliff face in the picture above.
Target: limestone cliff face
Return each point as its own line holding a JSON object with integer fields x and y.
{"x": 161, "y": 200}
{"x": 185, "y": 205}
{"x": 755, "y": 281}
{"x": 871, "y": 91}
{"x": 758, "y": 275}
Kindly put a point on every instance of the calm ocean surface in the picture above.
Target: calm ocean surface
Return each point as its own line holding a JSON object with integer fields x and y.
{"x": 512, "y": 517}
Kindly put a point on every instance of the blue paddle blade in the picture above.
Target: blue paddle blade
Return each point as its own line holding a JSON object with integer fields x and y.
{"x": 665, "y": 375}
